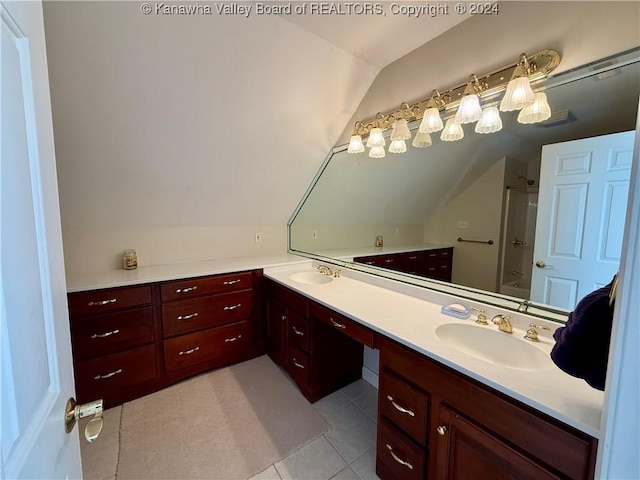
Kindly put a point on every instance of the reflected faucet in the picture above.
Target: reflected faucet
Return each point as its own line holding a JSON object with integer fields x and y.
{"x": 503, "y": 322}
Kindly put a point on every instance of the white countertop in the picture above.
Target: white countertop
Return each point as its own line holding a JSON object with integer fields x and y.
{"x": 160, "y": 273}
{"x": 410, "y": 316}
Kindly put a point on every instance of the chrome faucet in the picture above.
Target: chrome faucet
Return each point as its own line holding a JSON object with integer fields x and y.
{"x": 324, "y": 269}
{"x": 503, "y": 322}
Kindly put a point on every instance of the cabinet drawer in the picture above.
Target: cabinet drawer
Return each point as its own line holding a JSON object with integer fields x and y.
{"x": 438, "y": 255}
{"x": 215, "y": 343}
{"x": 100, "y": 301}
{"x": 289, "y": 298}
{"x": 299, "y": 331}
{"x": 298, "y": 365}
{"x": 196, "y": 287}
{"x": 346, "y": 326}
{"x": 205, "y": 312}
{"x": 113, "y": 372}
{"x": 101, "y": 334}
{"x": 397, "y": 456}
{"x": 403, "y": 405}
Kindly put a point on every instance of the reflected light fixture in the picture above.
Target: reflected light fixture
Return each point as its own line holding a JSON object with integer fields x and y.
{"x": 377, "y": 152}
{"x": 398, "y": 146}
{"x": 519, "y": 93}
{"x": 490, "y": 121}
{"x": 452, "y": 131}
{"x": 538, "y": 111}
{"x": 421, "y": 140}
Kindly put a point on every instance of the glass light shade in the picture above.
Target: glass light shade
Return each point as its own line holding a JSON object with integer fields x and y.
{"x": 398, "y": 146}
{"x": 452, "y": 131}
{"x": 355, "y": 144}
{"x": 518, "y": 95}
{"x": 400, "y": 130}
{"x": 537, "y": 112}
{"x": 377, "y": 152}
{"x": 421, "y": 140}
{"x": 375, "y": 138}
{"x": 490, "y": 121}
{"x": 469, "y": 110}
{"x": 431, "y": 121}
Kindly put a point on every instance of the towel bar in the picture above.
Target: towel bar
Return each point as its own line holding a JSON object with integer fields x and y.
{"x": 490, "y": 242}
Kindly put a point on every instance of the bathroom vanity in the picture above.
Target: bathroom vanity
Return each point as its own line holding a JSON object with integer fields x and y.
{"x": 435, "y": 263}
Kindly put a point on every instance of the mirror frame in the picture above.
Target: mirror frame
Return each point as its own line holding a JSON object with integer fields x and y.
{"x": 506, "y": 302}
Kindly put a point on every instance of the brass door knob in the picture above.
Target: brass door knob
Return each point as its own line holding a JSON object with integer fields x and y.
{"x": 540, "y": 264}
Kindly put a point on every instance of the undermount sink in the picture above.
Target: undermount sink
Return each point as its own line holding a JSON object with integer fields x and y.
{"x": 493, "y": 346}
{"x": 311, "y": 278}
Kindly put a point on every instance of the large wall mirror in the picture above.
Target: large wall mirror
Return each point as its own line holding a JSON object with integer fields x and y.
{"x": 487, "y": 189}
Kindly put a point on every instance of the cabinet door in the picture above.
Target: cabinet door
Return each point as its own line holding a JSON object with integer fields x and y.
{"x": 467, "y": 452}
{"x": 277, "y": 332}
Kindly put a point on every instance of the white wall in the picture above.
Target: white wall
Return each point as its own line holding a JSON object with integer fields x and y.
{"x": 581, "y": 31}
{"x": 181, "y": 136}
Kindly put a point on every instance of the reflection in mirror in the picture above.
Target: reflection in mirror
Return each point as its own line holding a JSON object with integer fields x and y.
{"x": 486, "y": 188}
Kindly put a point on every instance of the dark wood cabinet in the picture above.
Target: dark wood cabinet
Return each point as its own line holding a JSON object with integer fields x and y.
{"x": 320, "y": 349}
{"x": 465, "y": 429}
{"x": 131, "y": 341}
{"x": 434, "y": 263}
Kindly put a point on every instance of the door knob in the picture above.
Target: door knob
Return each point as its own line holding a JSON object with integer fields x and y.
{"x": 74, "y": 412}
{"x": 540, "y": 264}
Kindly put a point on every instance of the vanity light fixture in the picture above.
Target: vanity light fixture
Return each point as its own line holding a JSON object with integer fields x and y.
{"x": 538, "y": 111}
{"x": 421, "y": 140}
{"x": 452, "y": 131}
{"x": 515, "y": 80}
{"x": 490, "y": 121}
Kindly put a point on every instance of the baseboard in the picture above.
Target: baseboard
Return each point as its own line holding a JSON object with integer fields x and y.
{"x": 370, "y": 377}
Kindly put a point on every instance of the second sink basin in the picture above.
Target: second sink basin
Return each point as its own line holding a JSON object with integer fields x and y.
{"x": 311, "y": 278}
{"x": 493, "y": 346}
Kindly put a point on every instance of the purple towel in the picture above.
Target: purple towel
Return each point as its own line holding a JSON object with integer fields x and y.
{"x": 582, "y": 345}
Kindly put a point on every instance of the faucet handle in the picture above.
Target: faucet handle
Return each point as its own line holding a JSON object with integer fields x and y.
{"x": 532, "y": 333}
{"x": 482, "y": 317}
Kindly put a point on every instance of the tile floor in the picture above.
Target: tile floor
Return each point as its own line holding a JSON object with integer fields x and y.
{"x": 345, "y": 452}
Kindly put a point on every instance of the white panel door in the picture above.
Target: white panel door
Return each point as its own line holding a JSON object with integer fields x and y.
{"x": 584, "y": 185}
{"x": 36, "y": 376}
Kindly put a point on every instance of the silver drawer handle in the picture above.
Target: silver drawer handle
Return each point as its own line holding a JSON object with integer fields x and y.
{"x": 413, "y": 258}
{"x": 336, "y": 324}
{"x": 108, "y": 375}
{"x": 187, "y": 317}
{"x": 231, "y": 282}
{"x": 389, "y": 260}
{"x": 398, "y": 459}
{"x": 284, "y": 317}
{"x": 232, "y": 307}
{"x": 189, "y": 352}
{"x": 99, "y": 303}
{"x": 399, "y": 408}
{"x": 299, "y": 365}
{"x": 106, "y": 334}
{"x": 186, "y": 290}
{"x": 298, "y": 332}
{"x": 232, "y": 339}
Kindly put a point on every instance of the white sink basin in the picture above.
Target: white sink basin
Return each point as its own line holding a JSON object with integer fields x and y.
{"x": 493, "y": 346}
{"x": 311, "y": 278}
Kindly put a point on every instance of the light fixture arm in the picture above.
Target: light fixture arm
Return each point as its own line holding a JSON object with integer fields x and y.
{"x": 536, "y": 67}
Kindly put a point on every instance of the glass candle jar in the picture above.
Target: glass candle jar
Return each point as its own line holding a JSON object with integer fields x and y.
{"x": 129, "y": 259}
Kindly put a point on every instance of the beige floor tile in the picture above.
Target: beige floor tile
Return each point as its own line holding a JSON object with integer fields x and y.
{"x": 331, "y": 403}
{"x": 352, "y": 432}
{"x": 268, "y": 474}
{"x": 100, "y": 458}
{"x": 345, "y": 474}
{"x": 365, "y": 465}
{"x": 317, "y": 460}
{"x": 357, "y": 389}
{"x": 368, "y": 402}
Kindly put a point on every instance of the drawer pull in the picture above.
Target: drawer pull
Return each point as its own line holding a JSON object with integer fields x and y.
{"x": 336, "y": 324}
{"x": 231, "y": 282}
{"x": 399, "y": 408}
{"x": 444, "y": 266}
{"x": 189, "y": 352}
{"x": 187, "y": 317}
{"x": 186, "y": 290}
{"x": 232, "y": 339}
{"x": 413, "y": 258}
{"x": 99, "y": 303}
{"x": 106, "y": 334}
{"x": 232, "y": 307}
{"x": 299, "y": 365}
{"x": 398, "y": 459}
{"x": 442, "y": 430}
{"x": 284, "y": 318}
{"x": 298, "y": 332}
{"x": 389, "y": 260}
{"x": 108, "y": 375}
